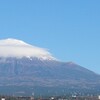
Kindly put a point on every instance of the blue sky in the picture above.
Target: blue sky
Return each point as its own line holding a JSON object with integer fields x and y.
{"x": 69, "y": 29}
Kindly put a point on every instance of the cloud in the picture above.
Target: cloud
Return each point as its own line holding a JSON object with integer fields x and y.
{"x": 18, "y": 48}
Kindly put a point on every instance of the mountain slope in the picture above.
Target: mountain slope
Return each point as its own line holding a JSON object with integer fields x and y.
{"x": 35, "y": 70}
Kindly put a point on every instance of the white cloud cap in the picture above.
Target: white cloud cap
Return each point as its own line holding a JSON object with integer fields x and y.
{"x": 17, "y": 48}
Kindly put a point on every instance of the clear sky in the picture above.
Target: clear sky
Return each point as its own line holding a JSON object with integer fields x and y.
{"x": 69, "y": 29}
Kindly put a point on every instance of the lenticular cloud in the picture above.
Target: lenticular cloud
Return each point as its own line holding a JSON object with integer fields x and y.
{"x": 18, "y": 48}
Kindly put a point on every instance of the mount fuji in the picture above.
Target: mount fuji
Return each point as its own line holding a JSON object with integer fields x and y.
{"x": 31, "y": 68}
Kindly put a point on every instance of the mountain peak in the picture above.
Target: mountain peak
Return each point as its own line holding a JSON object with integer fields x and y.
{"x": 17, "y": 48}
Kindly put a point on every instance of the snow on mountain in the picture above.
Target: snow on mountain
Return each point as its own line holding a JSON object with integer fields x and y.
{"x": 17, "y": 48}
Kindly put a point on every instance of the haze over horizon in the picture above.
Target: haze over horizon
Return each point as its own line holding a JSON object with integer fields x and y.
{"x": 69, "y": 29}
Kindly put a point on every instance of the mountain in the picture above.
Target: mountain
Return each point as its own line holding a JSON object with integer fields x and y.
{"x": 31, "y": 67}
